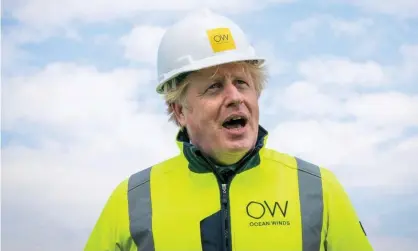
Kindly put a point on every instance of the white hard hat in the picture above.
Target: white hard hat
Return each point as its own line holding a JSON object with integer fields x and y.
{"x": 200, "y": 40}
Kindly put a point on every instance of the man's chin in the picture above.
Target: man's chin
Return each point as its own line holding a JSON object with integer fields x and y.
{"x": 237, "y": 146}
{"x": 230, "y": 155}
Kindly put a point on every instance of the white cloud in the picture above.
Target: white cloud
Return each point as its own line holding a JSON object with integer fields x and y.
{"x": 71, "y": 96}
{"x": 87, "y": 109}
{"x": 101, "y": 39}
{"x": 353, "y": 28}
{"x": 306, "y": 99}
{"x": 308, "y": 27}
{"x": 408, "y": 71}
{"x": 390, "y": 243}
{"x": 366, "y": 46}
{"x": 89, "y": 134}
{"x": 73, "y": 35}
{"x": 141, "y": 44}
{"x": 352, "y": 149}
{"x": 410, "y": 52}
{"x": 304, "y": 28}
{"x": 327, "y": 142}
{"x": 403, "y": 157}
{"x": 46, "y": 13}
{"x": 26, "y": 34}
{"x": 274, "y": 63}
{"x": 344, "y": 72}
{"x": 11, "y": 57}
{"x": 385, "y": 109}
{"x": 75, "y": 179}
{"x": 364, "y": 147}
{"x": 400, "y": 8}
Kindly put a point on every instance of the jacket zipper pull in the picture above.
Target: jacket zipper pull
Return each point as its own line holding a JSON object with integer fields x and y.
{"x": 224, "y": 195}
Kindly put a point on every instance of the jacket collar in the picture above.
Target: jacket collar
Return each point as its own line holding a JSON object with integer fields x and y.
{"x": 200, "y": 164}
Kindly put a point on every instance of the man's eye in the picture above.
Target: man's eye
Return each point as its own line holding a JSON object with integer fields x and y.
{"x": 215, "y": 85}
{"x": 242, "y": 82}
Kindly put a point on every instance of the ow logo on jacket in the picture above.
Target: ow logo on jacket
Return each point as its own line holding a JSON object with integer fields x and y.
{"x": 268, "y": 201}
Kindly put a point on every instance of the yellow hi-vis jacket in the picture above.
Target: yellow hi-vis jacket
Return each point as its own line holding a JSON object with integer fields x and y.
{"x": 270, "y": 201}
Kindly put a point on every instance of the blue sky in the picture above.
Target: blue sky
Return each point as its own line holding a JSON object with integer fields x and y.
{"x": 79, "y": 111}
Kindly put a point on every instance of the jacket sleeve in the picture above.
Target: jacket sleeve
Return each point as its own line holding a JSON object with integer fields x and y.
{"x": 345, "y": 231}
{"x": 111, "y": 231}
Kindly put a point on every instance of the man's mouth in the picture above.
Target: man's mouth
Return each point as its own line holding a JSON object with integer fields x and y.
{"x": 235, "y": 122}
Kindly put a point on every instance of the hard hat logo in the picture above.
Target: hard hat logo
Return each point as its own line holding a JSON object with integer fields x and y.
{"x": 221, "y": 39}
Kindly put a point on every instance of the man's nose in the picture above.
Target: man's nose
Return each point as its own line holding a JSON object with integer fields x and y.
{"x": 233, "y": 94}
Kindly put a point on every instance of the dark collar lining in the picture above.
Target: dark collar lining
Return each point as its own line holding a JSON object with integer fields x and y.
{"x": 201, "y": 164}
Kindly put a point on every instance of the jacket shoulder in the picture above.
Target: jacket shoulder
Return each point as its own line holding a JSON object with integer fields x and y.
{"x": 143, "y": 176}
{"x": 278, "y": 157}
{"x": 298, "y": 163}
{"x": 139, "y": 178}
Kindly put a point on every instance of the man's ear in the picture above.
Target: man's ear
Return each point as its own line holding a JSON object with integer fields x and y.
{"x": 178, "y": 110}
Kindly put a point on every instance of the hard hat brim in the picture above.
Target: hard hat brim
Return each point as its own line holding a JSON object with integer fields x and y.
{"x": 216, "y": 60}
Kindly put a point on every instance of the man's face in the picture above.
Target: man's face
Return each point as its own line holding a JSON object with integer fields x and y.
{"x": 221, "y": 112}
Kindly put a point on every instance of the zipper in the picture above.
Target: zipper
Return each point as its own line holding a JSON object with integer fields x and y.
{"x": 224, "y": 203}
{"x": 224, "y": 185}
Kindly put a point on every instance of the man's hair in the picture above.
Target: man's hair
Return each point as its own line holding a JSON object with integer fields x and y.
{"x": 175, "y": 89}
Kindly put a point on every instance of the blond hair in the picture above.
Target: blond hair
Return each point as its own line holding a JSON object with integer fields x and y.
{"x": 176, "y": 88}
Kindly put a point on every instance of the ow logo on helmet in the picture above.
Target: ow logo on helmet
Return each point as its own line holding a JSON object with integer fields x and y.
{"x": 221, "y": 39}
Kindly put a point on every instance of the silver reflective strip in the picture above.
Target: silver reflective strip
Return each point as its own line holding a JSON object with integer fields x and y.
{"x": 311, "y": 204}
{"x": 139, "y": 201}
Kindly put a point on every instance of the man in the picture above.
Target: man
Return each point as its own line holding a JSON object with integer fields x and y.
{"x": 225, "y": 190}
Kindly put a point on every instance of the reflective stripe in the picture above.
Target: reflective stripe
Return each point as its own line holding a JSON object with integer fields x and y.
{"x": 139, "y": 202}
{"x": 311, "y": 204}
